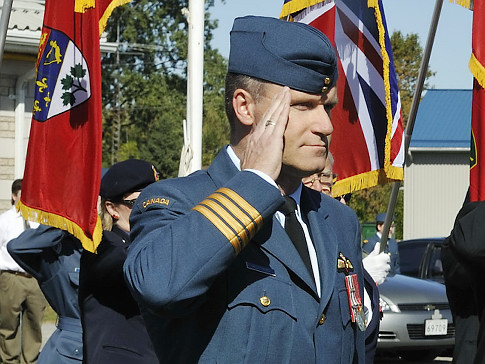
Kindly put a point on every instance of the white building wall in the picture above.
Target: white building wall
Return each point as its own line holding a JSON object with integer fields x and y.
{"x": 12, "y": 69}
{"x": 435, "y": 185}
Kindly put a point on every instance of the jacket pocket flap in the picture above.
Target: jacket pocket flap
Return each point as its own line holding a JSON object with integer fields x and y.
{"x": 265, "y": 294}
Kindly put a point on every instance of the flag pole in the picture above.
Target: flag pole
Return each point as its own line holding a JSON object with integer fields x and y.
{"x": 412, "y": 117}
{"x": 195, "y": 78}
{"x": 4, "y": 19}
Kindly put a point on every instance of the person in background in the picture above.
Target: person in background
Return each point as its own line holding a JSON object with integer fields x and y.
{"x": 113, "y": 329}
{"x": 369, "y": 244}
{"x": 241, "y": 262}
{"x": 463, "y": 276}
{"x": 322, "y": 181}
{"x": 22, "y": 303}
{"x": 52, "y": 257}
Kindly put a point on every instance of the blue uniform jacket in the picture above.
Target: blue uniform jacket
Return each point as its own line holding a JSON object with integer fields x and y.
{"x": 219, "y": 280}
{"x": 114, "y": 331}
{"x": 52, "y": 257}
{"x": 391, "y": 249}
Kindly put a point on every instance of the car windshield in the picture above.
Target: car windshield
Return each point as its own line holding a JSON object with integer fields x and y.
{"x": 410, "y": 255}
{"x": 434, "y": 270}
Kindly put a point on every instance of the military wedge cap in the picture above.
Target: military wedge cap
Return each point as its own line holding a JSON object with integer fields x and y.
{"x": 127, "y": 176}
{"x": 286, "y": 53}
{"x": 380, "y": 218}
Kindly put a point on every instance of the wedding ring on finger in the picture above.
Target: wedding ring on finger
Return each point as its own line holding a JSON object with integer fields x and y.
{"x": 269, "y": 122}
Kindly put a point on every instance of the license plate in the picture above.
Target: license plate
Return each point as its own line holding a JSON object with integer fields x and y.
{"x": 435, "y": 327}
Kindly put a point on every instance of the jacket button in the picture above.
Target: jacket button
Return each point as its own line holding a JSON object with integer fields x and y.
{"x": 265, "y": 301}
{"x": 322, "y": 319}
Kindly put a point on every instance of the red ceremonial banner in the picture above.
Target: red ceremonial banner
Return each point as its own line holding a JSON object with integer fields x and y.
{"x": 63, "y": 168}
{"x": 477, "y": 62}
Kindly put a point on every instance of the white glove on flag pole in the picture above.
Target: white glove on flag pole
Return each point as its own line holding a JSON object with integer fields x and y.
{"x": 377, "y": 264}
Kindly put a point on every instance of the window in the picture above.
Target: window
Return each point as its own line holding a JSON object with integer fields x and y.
{"x": 410, "y": 256}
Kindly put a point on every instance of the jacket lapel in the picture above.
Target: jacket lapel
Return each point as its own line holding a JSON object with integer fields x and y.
{"x": 274, "y": 239}
{"x": 324, "y": 239}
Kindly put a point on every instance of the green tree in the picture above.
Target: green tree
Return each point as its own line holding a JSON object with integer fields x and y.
{"x": 144, "y": 85}
{"x": 372, "y": 201}
{"x": 215, "y": 132}
{"x": 408, "y": 54}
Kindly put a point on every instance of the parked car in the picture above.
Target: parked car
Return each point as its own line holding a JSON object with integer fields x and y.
{"x": 421, "y": 258}
{"x": 409, "y": 301}
{"x": 417, "y": 323}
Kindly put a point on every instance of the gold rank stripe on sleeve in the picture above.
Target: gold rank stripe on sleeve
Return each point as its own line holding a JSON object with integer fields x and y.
{"x": 236, "y": 219}
{"x": 227, "y": 217}
{"x": 245, "y": 219}
{"x": 223, "y": 228}
{"x": 246, "y": 207}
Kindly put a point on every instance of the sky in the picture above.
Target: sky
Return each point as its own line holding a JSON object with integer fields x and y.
{"x": 451, "y": 49}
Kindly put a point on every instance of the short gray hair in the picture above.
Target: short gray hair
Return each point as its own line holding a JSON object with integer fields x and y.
{"x": 255, "y": 86}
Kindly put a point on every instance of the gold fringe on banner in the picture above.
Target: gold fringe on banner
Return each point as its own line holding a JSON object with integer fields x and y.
{"x": 477, "y": 69}
{"x": 366, "y": 180}
{"x": 107, "y": 13}
{"x": 465, "y": 3}
{"x": 63, "y": 223}
{"x": 296, "y": 5}
{"x": 387, "y": 87}
{"x": 80, "y": 6}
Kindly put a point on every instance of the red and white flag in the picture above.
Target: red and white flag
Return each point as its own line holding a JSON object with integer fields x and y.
{"x": 367, "y": 142}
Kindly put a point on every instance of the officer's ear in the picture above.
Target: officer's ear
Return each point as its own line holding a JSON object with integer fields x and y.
{"x": 112, "y": 209}
{"x": 244, "y": 106}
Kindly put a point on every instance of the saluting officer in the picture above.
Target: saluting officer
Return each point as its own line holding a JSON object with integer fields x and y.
{"x": 217, "y": 275}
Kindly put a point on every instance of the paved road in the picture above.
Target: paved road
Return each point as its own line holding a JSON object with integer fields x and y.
{"x": 47, "y": 329}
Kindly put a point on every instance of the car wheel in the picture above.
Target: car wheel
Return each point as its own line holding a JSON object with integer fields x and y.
{"x": 419, "y": 355}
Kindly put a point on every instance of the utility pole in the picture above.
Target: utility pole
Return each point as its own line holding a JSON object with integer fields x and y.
{"x": 195, "y": 79}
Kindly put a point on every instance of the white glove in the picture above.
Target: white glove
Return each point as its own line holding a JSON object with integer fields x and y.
{"x": 377, "y": 264}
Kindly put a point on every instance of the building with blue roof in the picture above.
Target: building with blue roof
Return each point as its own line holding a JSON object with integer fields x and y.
{"x": 436, "y": 176}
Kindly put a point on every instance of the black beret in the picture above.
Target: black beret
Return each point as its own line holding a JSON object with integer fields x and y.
{"x": 290, "y": 54}
{"x": 127, "y": 176}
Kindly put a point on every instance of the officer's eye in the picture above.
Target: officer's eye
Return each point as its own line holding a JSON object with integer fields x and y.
{"x": 329, "y": 107}
{"x": 302, "y": 106}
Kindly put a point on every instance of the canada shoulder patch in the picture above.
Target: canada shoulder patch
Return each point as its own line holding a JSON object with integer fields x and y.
{"x": 155, "y": 202}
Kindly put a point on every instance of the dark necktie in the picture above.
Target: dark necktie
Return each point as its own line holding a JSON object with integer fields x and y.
{"x": 295, "y": 231}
